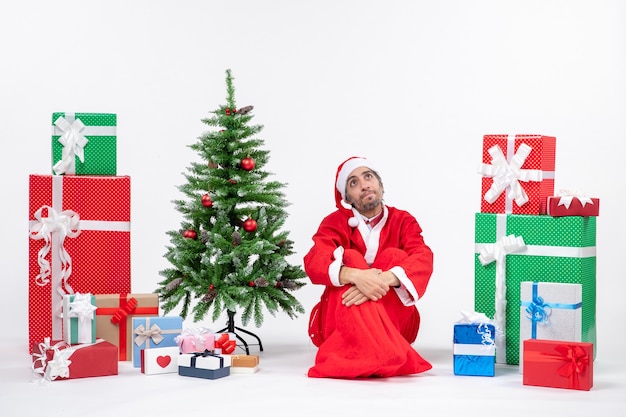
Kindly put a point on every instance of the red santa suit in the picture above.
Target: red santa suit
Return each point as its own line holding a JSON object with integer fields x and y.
{"x": 372, "y": 339}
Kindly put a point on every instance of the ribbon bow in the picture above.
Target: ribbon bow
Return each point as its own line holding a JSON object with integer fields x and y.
{"x": 58, "y": 366}
{"x": 123, "y": 312}
{"x": 143, "y": 334}
{"x": 225, "y": 343}
{"x": 538, "y": 310}
{"x": 508, "y": 175}
{"x": 73, "y": 142}
{"x": 576, "y": 360}
{"x": 81, "y": 307}
{"x": 66, "y": 224}
{"x": 568, "y": 195}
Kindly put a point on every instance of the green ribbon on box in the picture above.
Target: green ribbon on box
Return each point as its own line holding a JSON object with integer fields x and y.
{"x": 84, "y": 143}
{"x": 554, "y": 250}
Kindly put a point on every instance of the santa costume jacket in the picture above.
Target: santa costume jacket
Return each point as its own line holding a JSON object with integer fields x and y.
{"x": 372, "y": 339}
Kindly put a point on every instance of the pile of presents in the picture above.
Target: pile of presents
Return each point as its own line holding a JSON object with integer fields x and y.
{"x": 83, "y": 318}
{"x": 535, "y": 271}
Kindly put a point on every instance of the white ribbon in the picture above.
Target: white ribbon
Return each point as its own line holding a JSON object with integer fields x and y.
{"x": 82, "y": 309}
{"x": 497, "y": 252}
{"x": 59, "y": 365}
{"x": 507, "y": 175}
{"x": 197, "y": 336}
{"x": 63, "y": 224}
{"x": 568, "y": 195}
{"x": 73, "y": 142}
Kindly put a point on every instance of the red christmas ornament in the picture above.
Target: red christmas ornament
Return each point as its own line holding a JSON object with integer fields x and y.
{"x": 211, "y": 286}
{"x": 227, "y": 111}
{"x": 249, "y": 225}
{"x": 206, "y": 201}
{"x": 251, "y": 283}
{"x": 190, "y": 234}
{"x": 247, "y": 163}
{"x": 232, "y": 181}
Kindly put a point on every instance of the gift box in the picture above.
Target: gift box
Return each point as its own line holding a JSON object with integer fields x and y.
{"x": 573, "y": 205}
{"x": 159, "y": 360}
{"x": 79, "y": 242}
{"x": 114, "y": 317}
{"x": 84, "y": 143}
{"x": 79, "y": 318}
{"x": 243, "y": 364}
{"x": 550, "y": 311}
{"x": 515, "y": 248}
{"x": 474, "y": 349}
{"x": 558, "y": 364}
{"x": 225, "y": 343}
{"x": 151, "y": 332}
{"x": 195, "y": 340}
{"x": 205, "y": 365}
{"x": 518, "y": 173}
{"x": 57, "y": 360}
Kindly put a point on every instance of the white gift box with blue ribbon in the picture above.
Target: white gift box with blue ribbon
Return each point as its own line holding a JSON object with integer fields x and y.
{"x": 474, "y": 349}
{"x": 550, "y": 311}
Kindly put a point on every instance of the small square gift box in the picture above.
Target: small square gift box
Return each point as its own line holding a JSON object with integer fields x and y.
{"x": 159, "y": 360}
{"x": 474, "y": 346}
{"x": 518, "y": 173}
{"x": 57, "y": 360}
{"x": 225, "y": 343}
{"x": 114, "y": 318}
{"x": 572, "y": 203}
{"x": 205, "y": 365}
{"x": 151, "y": 332}
{"x": 84, "y": 143}
{"x": 243, "y": 364}
{"x": 558, "y": 364}
{"x": 550, "y": 311}
{"x": 79, "y": 318}
{"x": 193, "y": 340}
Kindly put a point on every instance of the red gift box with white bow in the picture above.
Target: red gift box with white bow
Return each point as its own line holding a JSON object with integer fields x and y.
{"x": 569, "y": 203}
{"x": 518, "y": 173}
{"x": 79, "y": 230}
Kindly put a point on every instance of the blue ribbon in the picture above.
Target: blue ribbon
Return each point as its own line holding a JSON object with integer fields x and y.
{"x": 538, "y": 311}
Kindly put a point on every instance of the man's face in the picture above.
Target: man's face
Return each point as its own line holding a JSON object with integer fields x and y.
{"x": 364, "y": 191}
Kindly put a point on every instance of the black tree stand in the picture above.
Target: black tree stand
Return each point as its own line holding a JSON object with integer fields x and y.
{"x": 230, "y": 328}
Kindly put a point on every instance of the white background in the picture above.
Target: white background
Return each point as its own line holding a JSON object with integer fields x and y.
{"x": 412, "y": 85}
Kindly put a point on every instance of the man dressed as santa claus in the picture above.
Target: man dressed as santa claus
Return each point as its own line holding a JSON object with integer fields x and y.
{"x": 375, "y": 266}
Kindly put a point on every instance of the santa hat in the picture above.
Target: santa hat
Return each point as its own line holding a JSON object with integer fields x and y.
{"x": 341, "y": 177}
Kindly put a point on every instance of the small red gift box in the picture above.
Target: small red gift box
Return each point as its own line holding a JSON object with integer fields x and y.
{"x": 518, "y": 173}
{"x": 56, "y": 360}
{"x": 79, "y": 242}
{"x": 573, "y": 205}
{"x": 558, "y": 364}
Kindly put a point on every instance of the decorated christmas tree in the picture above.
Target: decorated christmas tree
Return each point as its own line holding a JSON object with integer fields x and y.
{"x": 230, "y": 254}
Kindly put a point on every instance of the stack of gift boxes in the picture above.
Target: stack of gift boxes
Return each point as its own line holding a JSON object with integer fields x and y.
{"x": 82, "y": 317}
{"x": 535, "y": 264}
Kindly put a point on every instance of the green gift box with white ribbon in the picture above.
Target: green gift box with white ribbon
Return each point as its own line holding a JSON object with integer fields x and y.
{"x": 512, "y": 248}
{"x": 84, "y": 143}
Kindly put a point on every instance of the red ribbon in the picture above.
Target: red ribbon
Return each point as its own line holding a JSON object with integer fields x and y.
{"x": 225, "y": 343}
{"x": 120, "y": 315}
{"x": 575, "y": 358}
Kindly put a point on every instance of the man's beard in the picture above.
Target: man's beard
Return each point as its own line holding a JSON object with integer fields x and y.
{"x": 371, "y": 205}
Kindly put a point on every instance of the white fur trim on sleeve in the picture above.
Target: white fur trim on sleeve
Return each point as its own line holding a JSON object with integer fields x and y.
{"x": 407, "y": 292}
{"x": 335, "y": 267}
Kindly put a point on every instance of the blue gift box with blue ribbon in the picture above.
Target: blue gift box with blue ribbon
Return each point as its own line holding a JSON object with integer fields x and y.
{"x": 550, "y": 311}
{"x": 474, "y": 349}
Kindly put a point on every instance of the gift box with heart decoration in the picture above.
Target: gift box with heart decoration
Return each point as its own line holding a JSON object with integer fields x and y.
{"x": 159, "y": 360}
{"x": 152, "y": 332}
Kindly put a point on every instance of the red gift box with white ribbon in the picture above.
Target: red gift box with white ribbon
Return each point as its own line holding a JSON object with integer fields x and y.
{"x": 573, "y": 203}
{"x": 79, "y": 230}
{"x": 518, "y": 173}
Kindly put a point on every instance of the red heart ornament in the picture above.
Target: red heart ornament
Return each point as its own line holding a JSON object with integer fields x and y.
{"x": 163, "y": 361}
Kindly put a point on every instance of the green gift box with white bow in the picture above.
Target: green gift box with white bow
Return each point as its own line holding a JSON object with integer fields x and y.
{"x": 84, "y": 143}
{"x": 512, "y": 248}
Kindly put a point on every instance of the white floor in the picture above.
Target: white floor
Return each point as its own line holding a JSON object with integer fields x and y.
{"x": 281, "y": 388}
